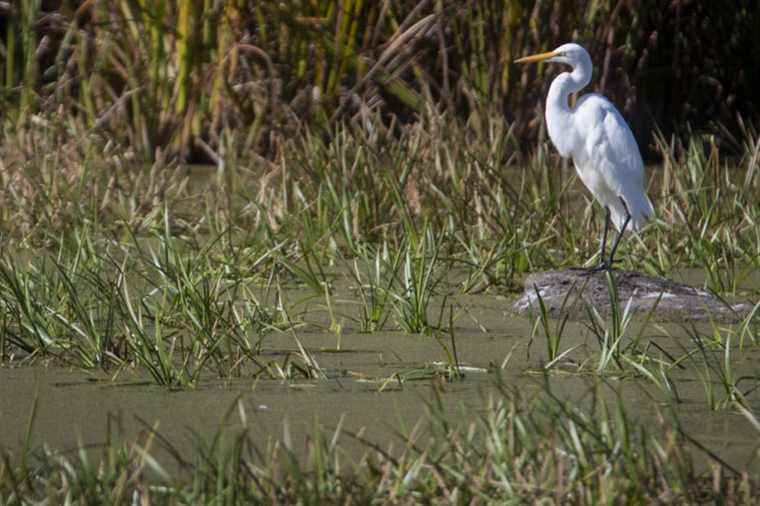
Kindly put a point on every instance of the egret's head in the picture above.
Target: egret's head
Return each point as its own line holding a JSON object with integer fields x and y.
{"x": 571, "y": 54}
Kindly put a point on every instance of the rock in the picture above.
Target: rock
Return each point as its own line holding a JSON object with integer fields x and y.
{"x": 679, "y": 302}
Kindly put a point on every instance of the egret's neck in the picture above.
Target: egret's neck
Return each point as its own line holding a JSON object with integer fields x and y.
{"x": 559, "y": 117}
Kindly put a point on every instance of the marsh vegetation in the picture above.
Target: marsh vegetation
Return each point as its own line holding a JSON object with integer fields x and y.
{"x": 361, "y": 248}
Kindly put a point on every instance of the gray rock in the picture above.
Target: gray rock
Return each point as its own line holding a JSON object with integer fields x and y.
{"x": 679, "y": 302}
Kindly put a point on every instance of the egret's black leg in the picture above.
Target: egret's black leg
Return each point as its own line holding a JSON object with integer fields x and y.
{"x": 604, "y": 235}
{"x": 602, "y": 265}
{"x": 620, "y": 234}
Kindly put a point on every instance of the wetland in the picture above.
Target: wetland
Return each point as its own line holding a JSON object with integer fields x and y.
{"x": 183, "y": 345}
{"x": 270, "y": 253}
{"x": 289, "y": 332}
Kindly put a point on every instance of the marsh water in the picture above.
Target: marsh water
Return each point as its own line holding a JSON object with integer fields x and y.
{"x": 378, "y": 384}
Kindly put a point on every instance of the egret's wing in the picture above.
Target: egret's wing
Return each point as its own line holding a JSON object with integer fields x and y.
{"x": 612, "y": 150}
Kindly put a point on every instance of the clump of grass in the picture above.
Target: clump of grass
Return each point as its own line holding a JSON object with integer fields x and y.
{"x": 380, "y": 272}
{"x": 721, "y": 371}
{"x": 154, "y": 302}
{"x": 553, "y": 336}
{"x": 704, "y": 200}
{"x": 610, "y": 336}
{"x": 418, "y": 279}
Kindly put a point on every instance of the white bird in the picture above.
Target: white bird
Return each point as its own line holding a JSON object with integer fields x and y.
{"x": 601, "y": 144}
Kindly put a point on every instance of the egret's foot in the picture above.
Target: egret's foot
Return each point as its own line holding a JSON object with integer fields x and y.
{"x": 590, "y": 271}
{"x": 605, "y": 265}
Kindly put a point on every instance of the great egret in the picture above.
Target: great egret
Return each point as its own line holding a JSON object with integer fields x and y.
{"x": 601, "y": 144}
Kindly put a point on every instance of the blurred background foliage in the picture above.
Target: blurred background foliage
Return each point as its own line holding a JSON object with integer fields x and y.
{"x": 169, "y": 77}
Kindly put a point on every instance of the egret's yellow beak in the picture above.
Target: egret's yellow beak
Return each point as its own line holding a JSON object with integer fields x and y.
{"x": 536, "y": 57}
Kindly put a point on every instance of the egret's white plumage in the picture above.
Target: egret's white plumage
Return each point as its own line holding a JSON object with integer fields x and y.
{"x": 597, "y": 138}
